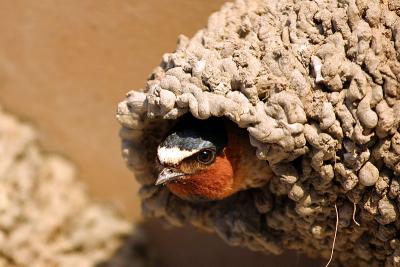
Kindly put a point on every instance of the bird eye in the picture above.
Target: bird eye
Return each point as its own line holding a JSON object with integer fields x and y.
{"x": 206, "y": 156}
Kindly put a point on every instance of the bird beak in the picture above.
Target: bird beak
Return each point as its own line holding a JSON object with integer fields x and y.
{"x": 168, "y": 175}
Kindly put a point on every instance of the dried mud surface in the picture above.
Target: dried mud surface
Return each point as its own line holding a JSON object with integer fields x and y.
{"x": 317, "y": 86}
{"x": 46, "y": 216}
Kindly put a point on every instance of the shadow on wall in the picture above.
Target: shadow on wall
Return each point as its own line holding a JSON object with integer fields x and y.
{"x": 179, "y": 247}
{"x": 190, "y": 247}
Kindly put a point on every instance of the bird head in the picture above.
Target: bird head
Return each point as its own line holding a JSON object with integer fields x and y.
{"x": 193, "y": 162}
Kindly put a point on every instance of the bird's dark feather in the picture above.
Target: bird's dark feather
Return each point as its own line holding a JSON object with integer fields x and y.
{"x": 191, "y": 134}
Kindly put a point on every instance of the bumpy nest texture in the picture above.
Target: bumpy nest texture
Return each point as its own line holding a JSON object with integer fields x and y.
{"x": 316, "y": 84}
{"x": 46, "y": 216}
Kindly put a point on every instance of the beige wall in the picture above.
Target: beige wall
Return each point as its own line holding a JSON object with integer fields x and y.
{"x": 65, "y": 65}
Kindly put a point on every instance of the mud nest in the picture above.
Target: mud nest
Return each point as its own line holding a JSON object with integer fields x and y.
{"x": 317, "y": 86}
{"x": 47, "y": 218}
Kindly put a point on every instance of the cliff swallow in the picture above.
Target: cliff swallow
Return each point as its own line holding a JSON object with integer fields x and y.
{"x": 209, "y": 160}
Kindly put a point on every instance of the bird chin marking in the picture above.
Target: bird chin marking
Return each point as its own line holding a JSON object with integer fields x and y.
{"x": 175, "y": 187}
{"x": 215, "y": 183}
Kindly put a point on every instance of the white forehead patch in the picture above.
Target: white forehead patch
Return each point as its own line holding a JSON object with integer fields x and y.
{"x": 173, "y": 155}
